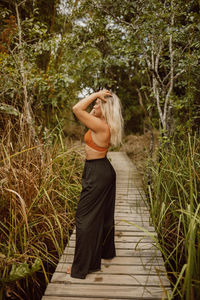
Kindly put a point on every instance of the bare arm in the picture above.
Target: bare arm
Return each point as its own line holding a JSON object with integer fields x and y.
{"x": 84, "y": 103}
{"x": 86, "y": 118}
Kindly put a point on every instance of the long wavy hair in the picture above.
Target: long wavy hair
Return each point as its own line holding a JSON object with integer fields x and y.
{"x": 112, "y": 112}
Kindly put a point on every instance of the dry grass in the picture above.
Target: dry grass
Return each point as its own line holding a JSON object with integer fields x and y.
{"x": 137, "y": 148}
{"x": 39, "y": 190}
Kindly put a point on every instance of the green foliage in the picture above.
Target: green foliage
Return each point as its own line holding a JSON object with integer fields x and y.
{"x": 22, "y": 270}
{"x": 95, "y": 44}
{"x": 138, "y": 30}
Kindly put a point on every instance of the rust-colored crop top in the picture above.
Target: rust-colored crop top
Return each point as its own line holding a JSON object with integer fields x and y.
{"x": 89, "y": 141}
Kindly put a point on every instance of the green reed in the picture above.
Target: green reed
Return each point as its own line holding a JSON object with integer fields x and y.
{"x": 39, "y": 190}
{"x": 175, "y": 209}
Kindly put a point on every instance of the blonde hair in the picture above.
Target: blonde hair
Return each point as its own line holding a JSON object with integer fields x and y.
{"x": 111, "y": 110}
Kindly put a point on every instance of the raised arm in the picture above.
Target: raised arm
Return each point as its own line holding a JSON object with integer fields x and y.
{"x": 86, "y": 118}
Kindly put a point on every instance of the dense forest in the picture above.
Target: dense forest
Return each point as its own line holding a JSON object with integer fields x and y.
{"x": 53, "y": 53}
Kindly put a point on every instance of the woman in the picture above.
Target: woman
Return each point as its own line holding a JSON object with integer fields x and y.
{"x": 95, "y": 211}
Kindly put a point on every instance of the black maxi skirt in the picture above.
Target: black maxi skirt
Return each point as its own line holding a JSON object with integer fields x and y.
{"x": 95, "y": 218}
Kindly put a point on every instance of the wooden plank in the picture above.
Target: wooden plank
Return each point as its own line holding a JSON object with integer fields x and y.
{"x": 128, "y": 190}
{"x": 125, "y": 239}
{"x": 134, "y": 246}
{"x": 129, "y": 195}
{"x": 120, "y": 220}
{"x": 125, "y": 292}
{"x": 78, "y": 298}
{"x": 108, "y": 279}
{"x": 127, "y": 245}
{"x": 125, "y": 199}
{"x": 50, "y": 297}
{"x": 93, "y": 298}
{"x": 122, "y": 260}
{"x": 132, "y": 204}
{"x": 135, "y": 233}
{"x": 130, "y": 201}
{"x": 126, "y": 204}
{"x": 128, "y": 225}
{"x": 127, "y": 252}
{"x": 122, "y": 269}
{"x": 141, "y": 206}
{"x": 130, "y": 210}
{"x": 135, "y": 211}
{"x": 126, "y": 219}
{"x": 83, "y": 298}
{"x": 124, "y": 214}
{"x": 139, "y": 227}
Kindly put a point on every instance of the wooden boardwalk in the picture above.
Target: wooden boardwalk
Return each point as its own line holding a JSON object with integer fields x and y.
{"x": 138, "y": 271}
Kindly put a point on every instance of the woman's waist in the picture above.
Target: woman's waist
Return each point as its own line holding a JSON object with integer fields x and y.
{"x": 93, "y": 154}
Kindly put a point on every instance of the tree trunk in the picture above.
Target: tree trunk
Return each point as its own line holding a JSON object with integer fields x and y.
{"x": 27, "y": 118}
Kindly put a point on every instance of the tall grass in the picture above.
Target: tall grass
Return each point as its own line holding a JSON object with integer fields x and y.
{"x": 39, "y": 188}
{"x": 175, "y": 210}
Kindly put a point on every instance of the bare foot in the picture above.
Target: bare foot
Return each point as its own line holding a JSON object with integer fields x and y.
{"x": 68, "y": 270}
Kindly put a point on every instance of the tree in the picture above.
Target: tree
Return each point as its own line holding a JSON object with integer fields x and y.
{"x": 155, "y": 35}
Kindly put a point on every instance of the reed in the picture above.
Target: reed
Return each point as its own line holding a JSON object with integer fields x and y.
{"x": 174, "y": 200}
{"x": 39, "y": 189}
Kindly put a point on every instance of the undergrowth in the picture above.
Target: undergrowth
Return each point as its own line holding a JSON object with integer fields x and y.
{"x": 174, "y": 201}
{"x": 39, "y": 189}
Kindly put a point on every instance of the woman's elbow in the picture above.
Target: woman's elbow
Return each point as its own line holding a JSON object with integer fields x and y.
{"x": 74, "y": 109}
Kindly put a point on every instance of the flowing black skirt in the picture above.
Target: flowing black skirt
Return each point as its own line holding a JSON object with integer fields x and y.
{"x": 95, "y": 218}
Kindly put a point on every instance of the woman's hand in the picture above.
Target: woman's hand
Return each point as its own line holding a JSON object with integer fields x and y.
{"x": 103, "y": 93}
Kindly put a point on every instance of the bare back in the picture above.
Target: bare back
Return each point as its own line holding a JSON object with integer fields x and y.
{"x": 102, "y": 139}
